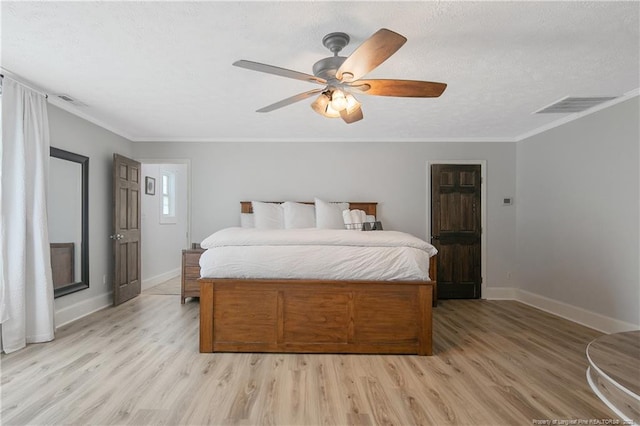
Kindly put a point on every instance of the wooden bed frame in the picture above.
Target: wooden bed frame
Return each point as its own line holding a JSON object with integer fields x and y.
{"x": 317, "y": 316}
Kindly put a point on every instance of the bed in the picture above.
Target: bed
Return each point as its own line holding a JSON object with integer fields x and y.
{"x": 318, "y": 315}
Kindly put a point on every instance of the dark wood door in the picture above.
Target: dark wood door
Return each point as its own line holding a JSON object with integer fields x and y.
{"x": 126, "y": 229}
{"x": 456, "y": 229}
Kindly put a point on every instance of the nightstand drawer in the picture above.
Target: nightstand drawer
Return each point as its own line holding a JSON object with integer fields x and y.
{"x": 191, "y": 288}
{"x": 192, "y": 259}
{"x": 190, "y": 273}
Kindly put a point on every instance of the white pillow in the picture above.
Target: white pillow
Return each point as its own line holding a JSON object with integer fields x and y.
{"x": 329, "y": 215}
{"x": 298, "y": 215}
{"x": 246, "y": 220}
{"x": 267, "y": 215}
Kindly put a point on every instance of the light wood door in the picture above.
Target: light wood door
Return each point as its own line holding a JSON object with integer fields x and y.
{"x": 126, "y": 229}
{"x": 456, "y": 229}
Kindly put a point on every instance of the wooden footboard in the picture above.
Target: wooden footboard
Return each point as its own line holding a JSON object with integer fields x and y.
{"x": 315, "y": 316}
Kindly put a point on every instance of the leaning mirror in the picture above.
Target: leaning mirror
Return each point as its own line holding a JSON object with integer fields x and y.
{"x": 68, "y": 215}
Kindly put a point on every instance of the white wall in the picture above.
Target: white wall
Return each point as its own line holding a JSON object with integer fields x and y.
{"x": 393, "y": 174}
{"x": 162, "y": 244}
{"x": 77, "y": 135}
{"x": 578, "y": 213}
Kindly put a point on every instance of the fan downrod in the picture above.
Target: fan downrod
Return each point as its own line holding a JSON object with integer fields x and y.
{"x": 326, "y": 68}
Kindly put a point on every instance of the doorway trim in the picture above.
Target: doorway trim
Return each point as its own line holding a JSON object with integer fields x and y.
{"x": 483, "y": 212}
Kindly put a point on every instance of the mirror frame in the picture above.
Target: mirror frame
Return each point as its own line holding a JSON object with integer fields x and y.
{"x": 84, "y": 247}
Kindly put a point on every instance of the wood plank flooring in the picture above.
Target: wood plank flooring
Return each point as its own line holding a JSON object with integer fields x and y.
{"x": 494, "y": 363}
{"x": 171, "y": 286}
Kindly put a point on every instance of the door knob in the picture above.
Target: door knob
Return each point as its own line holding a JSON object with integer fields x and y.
{"x": 116, "y": 237}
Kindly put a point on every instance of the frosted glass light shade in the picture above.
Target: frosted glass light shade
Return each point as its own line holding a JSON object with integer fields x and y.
{"x": 322, "y": 106}
{"x": 338, "y": 100}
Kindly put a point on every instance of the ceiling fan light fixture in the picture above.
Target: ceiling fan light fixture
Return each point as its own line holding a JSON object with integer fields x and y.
{"x": 352, "y": 103}
{"x": 338, "y": 100}
{"x": 331, "y": 112}
{"x": 322, "y": 105}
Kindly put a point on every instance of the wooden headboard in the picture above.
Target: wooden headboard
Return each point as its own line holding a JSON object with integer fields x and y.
{"x": 368, "y": 207}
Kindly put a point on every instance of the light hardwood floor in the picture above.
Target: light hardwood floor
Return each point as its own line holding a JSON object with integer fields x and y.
{"x": 171, "y": 286}
{"x": 494, "y": 363}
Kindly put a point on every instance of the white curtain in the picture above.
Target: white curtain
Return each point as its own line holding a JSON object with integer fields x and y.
{"x": 26, "y": 286}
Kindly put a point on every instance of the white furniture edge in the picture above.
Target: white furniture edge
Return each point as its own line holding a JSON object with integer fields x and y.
{"x": 603, "y": 398}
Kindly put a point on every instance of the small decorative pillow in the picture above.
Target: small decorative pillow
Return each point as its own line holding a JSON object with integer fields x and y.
{"x": 329, "y": 215}
{"x": 298, "y": 215}
{"x": 267, "y": 215}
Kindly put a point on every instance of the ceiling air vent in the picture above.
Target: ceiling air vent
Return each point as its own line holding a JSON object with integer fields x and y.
{"x": 573, "y": 104}
{"x": 68, "y": 99}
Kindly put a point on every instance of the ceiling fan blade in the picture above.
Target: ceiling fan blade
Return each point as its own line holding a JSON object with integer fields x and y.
{"x": 400, "y": 88}
{"x": 353, "y": 116}
{"x": 282, "y": 72}
{"x": 374, "y": 51}
{"x": 291, "y": 100}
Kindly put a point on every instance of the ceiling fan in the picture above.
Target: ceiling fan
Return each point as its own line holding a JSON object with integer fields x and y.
{"x": 342, "y": 76}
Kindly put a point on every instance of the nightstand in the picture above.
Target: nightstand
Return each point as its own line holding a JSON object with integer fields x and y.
{"x": 190, "y": 273}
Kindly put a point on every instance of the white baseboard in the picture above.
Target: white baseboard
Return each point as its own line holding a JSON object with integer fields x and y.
{"x": 573, "y": 313}
{"x": 499, "y": 293}
{"x": 86, "y": 307}
{"x": 150, "y": 282}
{"x": 81, "y": 309}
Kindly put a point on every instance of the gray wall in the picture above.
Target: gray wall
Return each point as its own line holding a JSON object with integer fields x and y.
{"x": 572, "y": 235}
{"x": 393, "y": 174}
{"x": 75, "y": 134}
{"x": 577, "y": 213}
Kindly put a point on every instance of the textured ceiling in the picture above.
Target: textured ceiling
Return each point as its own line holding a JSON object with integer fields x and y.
{"x": 161, "y": 71}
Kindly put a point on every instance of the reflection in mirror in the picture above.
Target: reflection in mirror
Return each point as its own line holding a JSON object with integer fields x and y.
{"x": 68, "y": 221}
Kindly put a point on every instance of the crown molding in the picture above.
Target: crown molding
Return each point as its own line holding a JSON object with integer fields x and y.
{"x": 315, "y": 140}
{"x": 75, "y": 111}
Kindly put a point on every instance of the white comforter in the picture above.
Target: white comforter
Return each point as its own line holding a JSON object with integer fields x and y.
{"x": 315, "y": 254}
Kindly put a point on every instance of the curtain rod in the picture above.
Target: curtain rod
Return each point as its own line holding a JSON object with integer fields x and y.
{"x": 6, "y": 73}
